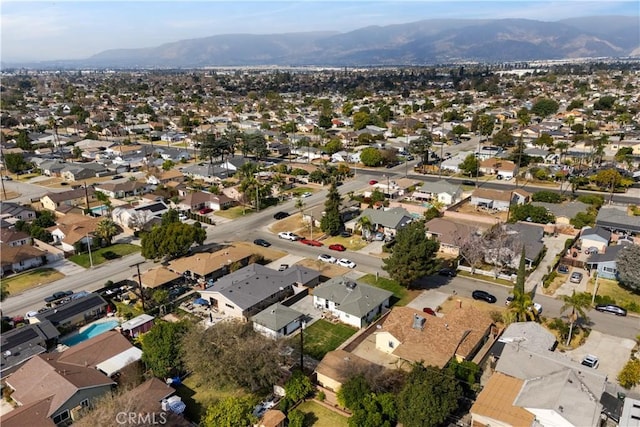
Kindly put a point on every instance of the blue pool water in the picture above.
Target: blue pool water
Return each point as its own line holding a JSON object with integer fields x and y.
{"x": 92, "y": 331}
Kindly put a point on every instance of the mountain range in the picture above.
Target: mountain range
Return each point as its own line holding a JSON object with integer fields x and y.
{"x": 423, "y": 42}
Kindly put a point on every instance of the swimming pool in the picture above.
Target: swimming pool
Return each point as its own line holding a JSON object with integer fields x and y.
{"x": 92, "y": 331}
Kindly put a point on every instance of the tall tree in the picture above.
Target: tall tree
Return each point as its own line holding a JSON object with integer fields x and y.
{"x": 520, "y": 309}
{"x": 519, "y": 287}
{"x": 421, "y": 147}
{"x": 331, "y": 222}
{"x": 413, "y": 256}
{"x": 578, "y": 303}
{"x": 470, "y": 165}
{"x": 232, "y": 411}
{"x": 106, "y": 229}
{"x": 365, "y": 225}
{"x": 627, "y": 265}
{"x": 161, "y": 348}
{"x": 428, "y": 397}
{"x": 171, "y": 240}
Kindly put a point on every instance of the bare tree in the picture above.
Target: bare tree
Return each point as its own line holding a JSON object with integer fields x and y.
{"x": 472, "y": 250}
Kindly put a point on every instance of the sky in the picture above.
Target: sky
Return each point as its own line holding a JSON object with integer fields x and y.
{"x": 39, "y": 31}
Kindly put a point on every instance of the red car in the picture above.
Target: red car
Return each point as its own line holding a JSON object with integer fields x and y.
{"x": 429, "y": 310}
{"x": 205, "y": 211}
{"x": 373, "y": 181}
{"x": 310, "y": 242}
{"x": 337, "y": 247}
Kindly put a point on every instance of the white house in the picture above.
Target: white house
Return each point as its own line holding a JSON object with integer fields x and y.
{"x": 277, "y": 321}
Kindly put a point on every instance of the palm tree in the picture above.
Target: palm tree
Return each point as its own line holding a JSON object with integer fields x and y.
{"x": 106, "y": 230}
{"x": 520, "y": 309}
{"x": 364, "y": 223}
{"x": 577, "y": 303}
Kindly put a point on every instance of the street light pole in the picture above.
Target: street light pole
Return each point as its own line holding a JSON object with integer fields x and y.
{"x": 303, "y": 324}
{"x": 89, "y": 247}
{"x": 595, "y": 289}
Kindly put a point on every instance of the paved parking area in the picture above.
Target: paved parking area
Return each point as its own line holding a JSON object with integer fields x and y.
{"x": 601, "y": 345}
{"x": 429, "y": 298}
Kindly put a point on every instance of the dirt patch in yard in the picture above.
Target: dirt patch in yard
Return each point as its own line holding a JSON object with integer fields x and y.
{"x": 292, "y": 223}
{"x": 325, "y": 269}
{"x": 454, "y": 302}
{"x": 268, "y": 253}
{"x": 9, "y": 195}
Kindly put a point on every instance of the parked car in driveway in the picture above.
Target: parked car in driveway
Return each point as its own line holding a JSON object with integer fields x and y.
{"x": 327, "y": 258}
{"x": 429, "y": 310}
{"x": 261, "y": 242}
{"x": 576, "y": 277}
{"x": 611, "y": 308}
{"x": 564, "y": 269}
{"x": 311, "y": 242}
{"x": 280, "y": 215}
{"x": 337, "y": 247}
{"x": 204, "y": 211}
{"x": 591, "y": 361}
{"x": 372, "y": 182}
{"x": 449, "y": 272}
{"x": 484, "y": 296}
{"x": 344, "y": 262}
{"x": 289, "y": 235}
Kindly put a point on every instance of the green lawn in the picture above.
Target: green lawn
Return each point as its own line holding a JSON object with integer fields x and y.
{"x": 502, "y": 282}
{"x": 197, "y": 397}
{"x": 120, "y": 250}
{"x": 298, "y": 191}
{"x": 401, "y": 294}
{"x": 30, "y": 279}
{"x": 234, "y": 212}
{"x": 318, "y": 416}
{"x": 611, "y": 288}
{"x": 322, "y": 337}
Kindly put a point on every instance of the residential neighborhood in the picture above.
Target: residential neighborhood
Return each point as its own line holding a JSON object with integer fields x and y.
{"x": 181, "y": 243}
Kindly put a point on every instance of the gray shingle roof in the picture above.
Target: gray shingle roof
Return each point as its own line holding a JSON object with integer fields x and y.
{"x": 567, "y": 210}
{"x": 615, "y": 217}
{"x": 439, "y": 187}
{"x": 597, "y": 231}
{"x": 356, "y": 299}
{"x": 394, "y": 218}
{"x": 276, "y": 316}
{"x": 611, "y": 254}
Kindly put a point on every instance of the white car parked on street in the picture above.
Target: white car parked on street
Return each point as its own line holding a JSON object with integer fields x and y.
{"x": 346, "y": 263}
{"x": 288, "y": 235}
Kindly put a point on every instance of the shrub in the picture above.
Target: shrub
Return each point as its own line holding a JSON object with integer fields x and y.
{"x": 321, "y": 396}
{"x": 549, "y": 278}
{"x": 630, "y": 375}
{"x": 547, "y": 197}
{"x": 109, "y": 255}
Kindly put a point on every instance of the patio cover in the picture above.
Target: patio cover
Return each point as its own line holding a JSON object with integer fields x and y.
{"x": 116, "y": 363}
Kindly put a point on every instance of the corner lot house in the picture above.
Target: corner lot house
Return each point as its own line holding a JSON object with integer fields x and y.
{"x": 353, "y": 303}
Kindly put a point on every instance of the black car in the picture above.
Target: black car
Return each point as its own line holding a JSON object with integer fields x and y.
{"x": 468, "y": 183}
{"x": 261, "y": 242}
{"x": 280, "y": 215}
{"x": 611, "y": 308}
{"x": 449, "y": 272}
{"x": 563, "y": 268}
{"x": 483, "y": 295}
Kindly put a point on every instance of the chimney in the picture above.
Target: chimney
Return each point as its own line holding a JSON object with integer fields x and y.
{"x": 418, "y": 322}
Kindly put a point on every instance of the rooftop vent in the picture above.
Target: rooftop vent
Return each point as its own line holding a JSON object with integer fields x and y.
{"x": 350, "y": 285}
{"x": 418, "y": 322}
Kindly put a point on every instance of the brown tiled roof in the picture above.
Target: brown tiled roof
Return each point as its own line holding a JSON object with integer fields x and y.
{"x": 75, "y": 227}
{"x": 96, "y": 350}
{"x": 69, "y": 195}
{"x": 8, "y": 235}
{"x": 499, "y": 164}
{"x": 120, "y": 186}
{"x": 33, "y": 414}
{"x": 13, "y": 254}
{"x": 272, "y": 418}
{"x": 157, "y": 277}
{"x": 42, "y": 376}
{"x": 441, "y": 337}
{"x": 151, "y": 392}
{"x": 487, "y": 193}
{"x": 206, "y": 263}
{"x": 449, "y": 232}
{"x": 171, "y": 174}
{"x": 337, "y": 365}
{"x": 496, "y": 399}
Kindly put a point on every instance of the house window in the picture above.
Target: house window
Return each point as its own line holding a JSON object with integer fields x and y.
{"x": 391, "y": 344}
{"x": 85, "y": 403}
{"x": 230, "y": 306}
{"x": 609, "y": 269}
{"x": 61, "y": 417}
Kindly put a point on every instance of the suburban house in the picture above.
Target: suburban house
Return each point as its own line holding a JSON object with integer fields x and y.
{"x": 158, "y": 277}
{"x": 50, "y": 392}
{"x": 441, "y": 191}
{"x": 597, "y": 237}
{"x": 349, "y": 209}
{"x": 172, "y": 175}
{"x": 353, "y": 303}
{"x": 337, "y": 366}
{"x": 202, "y": 199}
{"x": 21, "y": 344}
{"x": 414, "y": 336}
{"x": 555, "y": 389}
{"x": 564, "y": 212}
{"x": 77, "y": 312}
{"x": 119, "y": 190}
{"x": 210, "y": 265}
{"x": 386, "y": 221}
{"x": 530, "y": 236}
{"x": 71, "y": 198}
{"x": 138, "y": 217}
{"x": 17, "y": 211}
{"x": 138, "y": 325}
{"x": 277, "y": 321}
{"x": 498, "y": 200}
{"x": 72, "y": 229}
{"x": 19, "y": 258}
{"x": 503, "y": 169}
{"x": 251, "y": 289}
{"x": 495, "y": 405}
{"x": 12, "y": 237}
{"x": 529, "y": 335}
{"x": 450, "y": 234}
{"x": 617, "y": 218}
{"x": 80, "y": 171}
{"x": 605, "y": 262}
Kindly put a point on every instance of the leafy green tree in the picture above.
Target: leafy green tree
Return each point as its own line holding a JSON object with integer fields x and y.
{"x": 333, "y": 146}
{"x": 23, "y": 142}
{"x": 414, "y": 255}
{"x": 171, "y": 240}
{"x": 44, "y": 219}
{"x": 15, "y": 162}
{"x": 296, "y": 418}
{"x": 160, "y": 296}
{"x": 353, "y": 391}
{"x": 470, "y": 165}
{"x": 371, "y": 156}
{"x": 40, "y": 233}
{"x": 431, "y": 213}
{"x": 544, "y": 107}
{"x": 583, "y": 219}
{"x": 608, "y": 178}
{"x": 161, "y": 348}
{"x": 578, "y": 303}
{"x": 547, "y": 197}
{"x": 232, "y": 411}
{"x": 361, "y": 119}
{"x": 486, "y": 123}
{"x": 106, "y": 229}
{"x": 331, "y": 222}
{"x": 520, "y": 309}
{"x": 544, "y": 140}
{"x": 421, "y": 146}
{"x": 168, "y": 165}
{"x": 503, "y": 138}
{"x": 458, "y": 130}
{"x": 428, "y": 397}
{"x": 627, "y": 265}
{"x": 629, "y": 376}
{"x": 528, "y": 212}
{"x": 374, "y": 411}
{"x": 623, "y": 153}
{"x": 298, "y": 386}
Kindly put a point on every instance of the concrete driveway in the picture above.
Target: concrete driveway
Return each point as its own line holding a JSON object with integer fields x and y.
{"x": 554, "y": 246}
{"x": 430, "y": 298}
{"x": 601, "y": 345}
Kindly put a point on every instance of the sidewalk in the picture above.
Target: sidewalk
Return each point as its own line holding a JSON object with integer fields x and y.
{"x": 67, "y": 267}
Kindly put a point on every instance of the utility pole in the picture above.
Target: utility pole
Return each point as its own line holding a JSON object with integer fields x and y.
{"x": 303, "y": 324}
{"x": 86, "y": 196}
{"x": 137, "y": 266}
{"x": 89, "y": 247}
{"x": 595, "y": 289}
